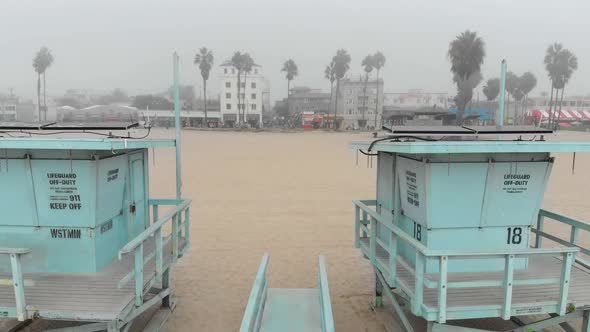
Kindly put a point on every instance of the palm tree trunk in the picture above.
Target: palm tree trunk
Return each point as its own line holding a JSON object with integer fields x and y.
{"x": 239, "y": 106}
{"x": 39, "y": 95}
{"x": 560, "y": 103}
{"x": 288, "y": 96}
{"x": 44, "y": 97}
{"x": 205, "y": 100}
{"x": 336, "y": 103}
{"x": 377, "y": 100}
{"x": 365, "y": 98}
{"x": 331, "y": 93}
{"x": 244, "y": 99}
{"x": 550, "y": 104}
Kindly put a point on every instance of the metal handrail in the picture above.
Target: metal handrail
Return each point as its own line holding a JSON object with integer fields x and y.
{"x": 155, "y": 230}
{"x": 443, "y": 256}
{"x": 256, "y": 301}
{"x": 18, "y": 282}
{"x": 325, "y": 303}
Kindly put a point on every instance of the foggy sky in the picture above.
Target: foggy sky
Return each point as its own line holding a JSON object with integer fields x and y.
{"x": 105, "y": 44}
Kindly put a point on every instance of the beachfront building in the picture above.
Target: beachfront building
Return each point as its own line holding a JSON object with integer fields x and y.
{"x": 417, "y": 99}
{"x": 360, "y": 108}
{"x": 13, "y": 109}
{"x": 307, "y": 100}
{"x": 254, "y": 96}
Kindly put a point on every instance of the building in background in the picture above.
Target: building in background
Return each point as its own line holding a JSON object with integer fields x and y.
{"x": 98, "y": 113}
{"x": 307, "y": 100}
{"x": 416, "y": 99}
{"x": 254, "y": 99}
{"x": 14, "y": 109}
{"x": 357, "y": 108}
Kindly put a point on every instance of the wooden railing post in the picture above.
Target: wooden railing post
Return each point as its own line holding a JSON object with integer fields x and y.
{"x": 364, "y": 221}
{"x": 155, "y": 214}
{"x": 574, "y": 235}
{"x": 373, "y": 241}
{"x": 419, "y": 286}
{"x": 508, "y": 282}
{"x": 159, "y": 255}
{"x": 566, "y": 269}
{"x": 442, "y": 290}
{"x": 539, "y": 236}
{"x": 187, "y": 227}
{"x": 392, "y": 259}
{"x": 139, "y": 275}
{"x": 175, "y": 237}
{"x": 357, "y": 226}
{"x": 19, "y": 287}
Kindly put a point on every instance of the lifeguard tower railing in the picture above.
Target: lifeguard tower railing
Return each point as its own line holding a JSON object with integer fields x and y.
{"x": 430, "y": 295}
{"x": 253, "y": 315}
{"x": 157, "y": 258}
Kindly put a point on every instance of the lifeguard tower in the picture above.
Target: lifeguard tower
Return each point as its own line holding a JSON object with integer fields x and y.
{"x": 80, "y": 238}
{"x": 450, "y": 233}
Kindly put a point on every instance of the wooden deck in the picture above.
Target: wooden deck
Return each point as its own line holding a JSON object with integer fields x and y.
{"x": 89, "y": 297}
{"x": 540, "y": 267}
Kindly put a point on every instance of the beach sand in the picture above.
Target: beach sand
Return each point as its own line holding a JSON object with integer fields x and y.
{"x": 290, "y": 195}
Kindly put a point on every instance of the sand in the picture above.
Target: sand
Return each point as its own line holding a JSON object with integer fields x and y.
{"x": 290, "y": 195}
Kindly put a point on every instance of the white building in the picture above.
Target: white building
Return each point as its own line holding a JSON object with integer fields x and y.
{"x": 416, "y": 99}
{"x": 360, "y": 103}
{"x": 254, "y": 93}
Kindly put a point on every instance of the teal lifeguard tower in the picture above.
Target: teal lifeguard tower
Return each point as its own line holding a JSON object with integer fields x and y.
{"x": 80, "y": 238}
{"x": 456, "y": 228}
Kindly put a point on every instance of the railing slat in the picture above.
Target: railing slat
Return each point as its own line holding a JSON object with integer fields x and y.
{"x": 565, "y": 282}
{"x": 442, "y": 290}
{"x": 250, "y": 314}
{"x": 419, "y": 287}
{"x": 139, "y": 275}
{"x": 508, "y": 280}
{"x": 326, "y": 305}
{"x": 19, "y": 287}
{"x": 357, "y": 224}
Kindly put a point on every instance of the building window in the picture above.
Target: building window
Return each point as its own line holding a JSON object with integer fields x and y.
{"x": 228, "y": 95}
{"x": 228, "y": 84}
{"x": 242, "y": 95}
{"x": 253, "y": 107}
{"x": 253, "y": 85}
{"x": 243, "y": 85}
{"x": 10, "y": 108}
{"x": 228, "y": 106}
{"x": 225, "y": 70}
{"x": 255, "y": 71}
{"x": 253, "y": 96}
{"x": 233, "y": 70}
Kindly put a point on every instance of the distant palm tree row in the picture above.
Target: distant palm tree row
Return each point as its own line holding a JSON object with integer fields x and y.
{"x": 466, "y": 54}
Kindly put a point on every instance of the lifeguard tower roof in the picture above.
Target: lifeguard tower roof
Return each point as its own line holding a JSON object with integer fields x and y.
{"x": 457, "y": 139}
{"x": 106, "y": 142}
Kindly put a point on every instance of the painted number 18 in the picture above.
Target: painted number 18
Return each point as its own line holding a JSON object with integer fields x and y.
{"x": 417, "y": 231}
{"x": 514, "y": 235}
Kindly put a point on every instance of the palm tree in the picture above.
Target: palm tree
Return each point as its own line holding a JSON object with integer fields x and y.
{"x": 378, "y": 63}
{"x": 248, "y": 64}
{"x": 290, "y": 69}
{"x": 466, "y": 53}
{"x": 511, "y": 88}
{"x": 43, "y": 60}
{"x": 205, "y": 61}
{"x": 492, "y": 89}
{"x": 527, "y": 83}
{"x": 341, "y": 65}
{"x": 330, "y": 75}
{"x": 566, "y": 65}
{"x": 551, "y": 57}
{"x": 237, "y": 61}
{"x": 367, "y": 64}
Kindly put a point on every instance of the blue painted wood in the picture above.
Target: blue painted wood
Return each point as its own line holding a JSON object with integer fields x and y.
{"x": 445, "y": 147}
{"x": 292, "y": 310}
